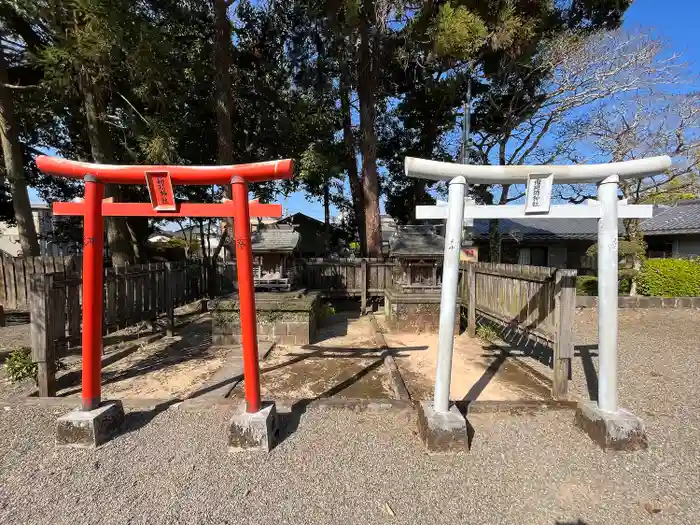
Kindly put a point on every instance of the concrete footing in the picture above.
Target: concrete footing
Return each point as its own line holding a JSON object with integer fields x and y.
{"x": 619, "y": 430}
{"x": 442, "y": 432}
{"x": 87, "y": 429}
{"x": 255, "y": 431}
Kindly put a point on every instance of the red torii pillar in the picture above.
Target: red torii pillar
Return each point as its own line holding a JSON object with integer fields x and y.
{"x": 160, "y": 181}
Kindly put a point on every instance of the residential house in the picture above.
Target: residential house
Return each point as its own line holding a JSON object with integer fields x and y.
{"x": 51, "y": 240}
{"x": 312, "y": 235}
{"x": 673, "y": 231}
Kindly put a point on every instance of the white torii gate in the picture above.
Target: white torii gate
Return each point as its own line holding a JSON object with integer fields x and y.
{"x": 539, "y": 180}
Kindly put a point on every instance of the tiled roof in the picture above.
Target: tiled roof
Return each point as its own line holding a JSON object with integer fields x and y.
{"x": 417, "y": 241}
{"x": 536, "y": 229}
{"x": 274, "y": 240}
{"x": 682, "y": 218}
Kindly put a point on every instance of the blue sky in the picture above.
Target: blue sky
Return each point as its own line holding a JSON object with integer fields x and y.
{"x": 675, "y": 20}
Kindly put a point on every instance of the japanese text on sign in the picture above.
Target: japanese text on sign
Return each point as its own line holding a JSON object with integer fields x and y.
{"x": 160, "y": 188}
{"x": 539, "y": 193}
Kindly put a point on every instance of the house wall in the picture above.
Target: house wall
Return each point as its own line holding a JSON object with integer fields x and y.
{"x": 558, "y": 256}
{"x": 659, "y": 246}
{"x": 562, "y": 254}
{"x": 44, "y": 225}
{"x": 311, "y": 235}
{"x": 687, "y": 245}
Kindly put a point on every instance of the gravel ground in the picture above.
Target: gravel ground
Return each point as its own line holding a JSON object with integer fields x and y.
{"x": 12, "y": 336}
{"x": 347, "y": 467}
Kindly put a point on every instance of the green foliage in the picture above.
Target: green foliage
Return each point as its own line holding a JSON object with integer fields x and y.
{"x": 19, "y": 365}
{"x": 588, "y": 285}
{"x": 669, "y": 278}
{"x": 487, "y": 333}
{"x": 458, "y": 32}
{"x": 176, "y": 242}
{"x": 624, "y": 248}
{"x": 149, "y": 64}
{"x": 327, "y": 310}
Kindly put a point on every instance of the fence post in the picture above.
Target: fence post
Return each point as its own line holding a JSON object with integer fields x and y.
{"x": 471, "y": 305}
{"x": 565, "y": 304}
{"x": 41, "y": 332}
{"x": 363, "y": 286}
{"x": 2, "y": 316}
{"x": 169, "y": 300}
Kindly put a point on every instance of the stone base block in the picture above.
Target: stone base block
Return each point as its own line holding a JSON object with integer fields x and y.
{"x": 255, "y": 431}
{"x": 87, "y": 429}
{"x": 619, "y": 430}
{"x": 442, "y": 432}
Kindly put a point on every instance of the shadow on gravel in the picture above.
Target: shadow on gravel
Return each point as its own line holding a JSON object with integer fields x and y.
{"x": 577, "y": 522}
{"x": 288, "y": 422}
{"x": 587, "y": 353}
{"x": 137, "y": 419}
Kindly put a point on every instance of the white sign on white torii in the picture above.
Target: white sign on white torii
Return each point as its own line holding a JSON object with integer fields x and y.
{"x": 539, "y": 179}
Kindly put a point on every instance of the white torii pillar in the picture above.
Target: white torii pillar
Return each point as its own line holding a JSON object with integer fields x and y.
{"x": 607, "y": 210}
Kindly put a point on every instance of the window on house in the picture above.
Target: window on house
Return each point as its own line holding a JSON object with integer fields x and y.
{"x": 538, "y": 256}
{"x": 659, "y": 249}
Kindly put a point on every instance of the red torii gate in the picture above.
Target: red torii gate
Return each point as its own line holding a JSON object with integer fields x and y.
{"x": 160, "y": 181}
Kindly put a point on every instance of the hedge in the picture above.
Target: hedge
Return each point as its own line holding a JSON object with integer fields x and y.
{"x": 669, "y": 278}
{"x": 588, "y": 285}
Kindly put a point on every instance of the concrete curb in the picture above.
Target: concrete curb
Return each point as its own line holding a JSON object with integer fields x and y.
{"x": 397, "y": 382}
{"x": 290, "y": 404}
{"x": 624, "y": 301}
{"x": 516, "y": 407}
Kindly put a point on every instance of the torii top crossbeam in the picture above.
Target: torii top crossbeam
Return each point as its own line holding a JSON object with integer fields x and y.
{"x": 563, "y": 174}
{"x": 201, "y": 175}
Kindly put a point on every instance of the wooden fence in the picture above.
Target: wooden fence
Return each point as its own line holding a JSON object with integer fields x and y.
{"x": 531, "y": 304}
{"x": 131, "y": 294}
{"x": 16, "y": 274}
{"x": 340, "y": 278}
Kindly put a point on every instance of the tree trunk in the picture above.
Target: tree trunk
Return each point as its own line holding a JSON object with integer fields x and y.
{"x": 214, "y": 276}
{"x": 358, "y": 201}
{"x": 224, "y": 103}
{"x": 222, "y": 65}
{"x": 327, "y": 217}
{"x": 14, "y": 167}
{"x": 118, "y": 235}
{"x": 367, "y": 81}
{"x": 203, "y": 249}
{"x": 494, "y": 241}
{"x": 495, "y": 237}
{"x": 634, "y": 235}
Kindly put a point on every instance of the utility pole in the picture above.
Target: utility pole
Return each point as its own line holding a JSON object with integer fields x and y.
{"x": 467, "y": 224}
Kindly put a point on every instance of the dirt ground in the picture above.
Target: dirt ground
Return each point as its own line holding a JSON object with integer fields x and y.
{"x": 133, "y": 368}
{"x": 345, "y": 363}
{"x": 479, "y": 371}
